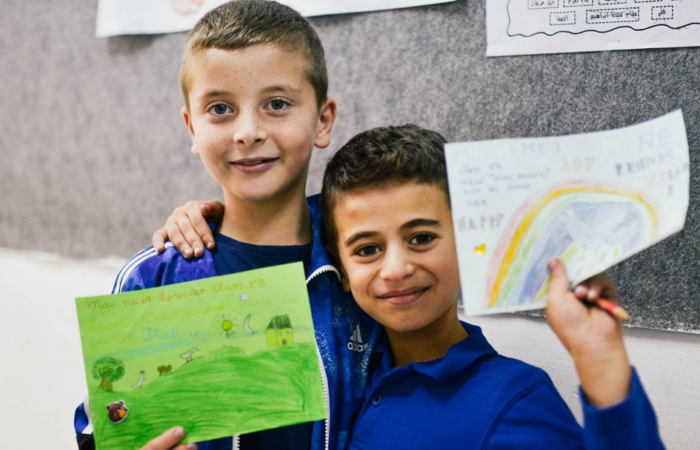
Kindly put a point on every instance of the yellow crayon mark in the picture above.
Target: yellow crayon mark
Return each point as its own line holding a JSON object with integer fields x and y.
{"x": 481, "y": 249}
{"x": 535, "y": 209}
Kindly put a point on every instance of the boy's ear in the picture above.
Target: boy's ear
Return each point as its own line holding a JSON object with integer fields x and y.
{"x": 188, "y": 123}
{"x": 326, "y": 119}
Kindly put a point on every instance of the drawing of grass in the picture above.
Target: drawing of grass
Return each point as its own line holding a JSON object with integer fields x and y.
{"x": 280, "y": 385}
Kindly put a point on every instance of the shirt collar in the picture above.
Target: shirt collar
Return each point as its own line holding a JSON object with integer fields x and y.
{"x": 459, "y": 357}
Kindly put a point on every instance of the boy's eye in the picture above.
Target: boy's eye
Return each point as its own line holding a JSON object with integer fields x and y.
{"x": 277, "y": 104}
{"x": 421, "y": 239}
{"x": 220, "y": 109}
{"x": 367, "y": 250}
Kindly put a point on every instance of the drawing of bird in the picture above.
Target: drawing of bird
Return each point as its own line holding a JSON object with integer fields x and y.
{"x": 188, "y": 356}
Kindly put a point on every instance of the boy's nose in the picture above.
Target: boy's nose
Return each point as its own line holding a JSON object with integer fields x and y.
{"x": 250, "y": 129}
{"x": 397, "y": 265}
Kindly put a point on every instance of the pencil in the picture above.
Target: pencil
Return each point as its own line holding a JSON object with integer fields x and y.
{"x": 612, "y": 308}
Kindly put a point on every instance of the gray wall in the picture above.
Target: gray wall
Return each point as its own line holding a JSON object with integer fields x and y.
{"x": 94, "y": 154}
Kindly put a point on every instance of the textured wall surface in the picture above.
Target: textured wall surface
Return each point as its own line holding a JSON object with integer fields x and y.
{"x": 95, "y": 156}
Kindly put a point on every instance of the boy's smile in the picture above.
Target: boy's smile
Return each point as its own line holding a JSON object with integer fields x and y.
{"x": 254, "y": 120}
{"x": 397, "y": 249}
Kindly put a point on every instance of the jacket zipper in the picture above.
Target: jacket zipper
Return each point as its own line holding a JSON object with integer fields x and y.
{"x": 324, "y": 378}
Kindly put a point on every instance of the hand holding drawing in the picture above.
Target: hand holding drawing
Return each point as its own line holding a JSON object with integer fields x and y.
{"x": 187, "y": 228}
{"x": 169, "y": 441}
{"x": 592, "y": 336}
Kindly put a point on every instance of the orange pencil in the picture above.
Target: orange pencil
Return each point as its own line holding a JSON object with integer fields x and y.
{"x": 612, "y": 308}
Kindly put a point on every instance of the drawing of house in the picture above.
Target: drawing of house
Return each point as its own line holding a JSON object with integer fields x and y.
{"x": 279, "y": 331}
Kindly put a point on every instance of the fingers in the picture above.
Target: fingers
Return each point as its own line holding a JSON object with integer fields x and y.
{"x": 559, "y": 281}
{"x": 169, "y": 441}
{"x": 175, "y": 235}
{"x": 158, "y": 240}
{"x": 199, "y": 232}
{"x": 598, "y": 287}
{"x": 212, "y": 210}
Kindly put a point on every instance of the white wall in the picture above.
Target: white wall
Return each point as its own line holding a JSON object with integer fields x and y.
{"x": 42, "y": 377}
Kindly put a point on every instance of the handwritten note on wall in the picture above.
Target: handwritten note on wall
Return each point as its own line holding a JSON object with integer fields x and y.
{"x": 592, "y": 199}
{"x": 218, "y": 356}
{"x": 522, "y": 27}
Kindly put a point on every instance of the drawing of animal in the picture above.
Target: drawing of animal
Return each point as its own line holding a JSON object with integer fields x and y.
{"x": 141, "y": 378}
{"x": 117, "y": 411}
{"x": 165, "y": 370}
{"x": 188, "y": 356}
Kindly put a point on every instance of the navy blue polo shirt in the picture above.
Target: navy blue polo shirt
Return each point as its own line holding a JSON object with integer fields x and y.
{"x": 474, "y": 398}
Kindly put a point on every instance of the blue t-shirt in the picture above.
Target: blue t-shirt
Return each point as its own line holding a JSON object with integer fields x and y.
{"x": 232, "y": 256}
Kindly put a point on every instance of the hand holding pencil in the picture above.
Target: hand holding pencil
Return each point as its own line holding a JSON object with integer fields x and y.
{"x": 587, "y": 322}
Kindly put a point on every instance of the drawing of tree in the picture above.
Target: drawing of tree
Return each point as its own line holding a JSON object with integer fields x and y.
{"x": 108, "y": 370}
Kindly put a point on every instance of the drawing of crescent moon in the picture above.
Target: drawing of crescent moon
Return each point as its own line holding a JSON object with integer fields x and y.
{"x": 246, "y": 325}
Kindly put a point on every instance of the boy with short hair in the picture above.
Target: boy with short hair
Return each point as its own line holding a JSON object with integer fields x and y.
{"x": 435, "y": 382}
{"x": 255, "y": 86}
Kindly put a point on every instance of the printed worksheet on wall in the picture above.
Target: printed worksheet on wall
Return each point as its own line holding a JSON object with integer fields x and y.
{"x": 117, "y": 17}
{"x": 590, "y": 199}
{"x": 526, "y": 27}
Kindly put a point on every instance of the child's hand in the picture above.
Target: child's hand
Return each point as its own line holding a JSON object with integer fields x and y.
{"x": 592, "y": 336}
{"x": 187, "y": 228}
{"x": 169, "y": 441}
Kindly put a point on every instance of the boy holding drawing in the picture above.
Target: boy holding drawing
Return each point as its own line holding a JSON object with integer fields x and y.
{"x": 255, "y": 86}
{"x": 435, "y": 381}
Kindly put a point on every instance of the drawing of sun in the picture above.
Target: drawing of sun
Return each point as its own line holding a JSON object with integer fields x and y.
{"x": 227, "y": 326}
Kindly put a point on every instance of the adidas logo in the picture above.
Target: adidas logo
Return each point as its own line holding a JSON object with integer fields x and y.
{"x": 356, "y": 344}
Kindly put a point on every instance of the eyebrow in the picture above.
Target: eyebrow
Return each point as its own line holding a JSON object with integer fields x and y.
{"x": 283, "y": 88}
{"x": 407, "y": 226}
{"x": 420, "y": 223}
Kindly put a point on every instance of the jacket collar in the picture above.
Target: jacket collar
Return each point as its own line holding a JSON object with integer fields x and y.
{"x": 320, "y": 259}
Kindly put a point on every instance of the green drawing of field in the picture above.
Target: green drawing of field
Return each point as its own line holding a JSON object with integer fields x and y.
{"x": 220, "y": 356}
{"x": 247, "y": 402}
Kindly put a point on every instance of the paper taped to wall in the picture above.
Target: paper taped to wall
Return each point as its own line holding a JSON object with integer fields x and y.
{"x": 525, "y": 27}
{"x": 591, "y": 199}
{"x": 116, "y": 17}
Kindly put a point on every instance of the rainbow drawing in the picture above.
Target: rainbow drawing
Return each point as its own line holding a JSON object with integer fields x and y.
{"x": 582, "y": 222}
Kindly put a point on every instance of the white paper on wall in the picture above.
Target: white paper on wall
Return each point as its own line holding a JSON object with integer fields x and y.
{"x": 591, "y": 199}
{"x": 525, "y": 27}
{"x": 116, "y": 17}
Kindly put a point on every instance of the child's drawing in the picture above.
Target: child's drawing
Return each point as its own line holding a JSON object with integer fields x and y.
{"x": 273, "y": 378}
{"x": 187, "y": 356}
{"x": 246, "y": 325}
{"x": 578, "y": 222}
{"x": 142, "y": 377}
{"x": 227, "y": 325}
{"x": 279, "y": 331}
{"x": 107, "y": 370}
{"x": 591, "y": 199}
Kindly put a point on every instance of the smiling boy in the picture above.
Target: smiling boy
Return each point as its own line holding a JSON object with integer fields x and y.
{"x": 255, "y": 88}
{"x": 435, "y": 382}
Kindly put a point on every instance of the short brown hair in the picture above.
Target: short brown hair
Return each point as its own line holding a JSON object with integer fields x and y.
{"x": 242, "y": 23}
{"x": 378, "y": 158}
